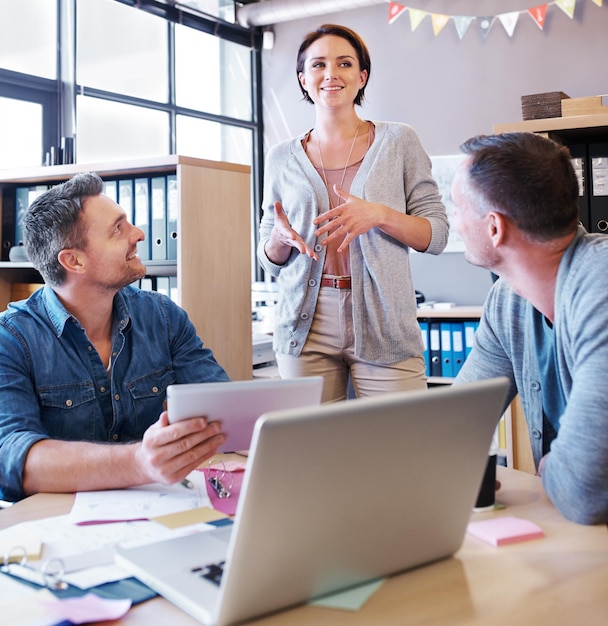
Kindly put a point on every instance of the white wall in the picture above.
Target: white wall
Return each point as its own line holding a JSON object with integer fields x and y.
{"x": 448, "y": 89}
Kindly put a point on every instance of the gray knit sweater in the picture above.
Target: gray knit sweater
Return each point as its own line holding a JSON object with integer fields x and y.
{"x": 575, "y": 473}
{"x": 396, "y": 171}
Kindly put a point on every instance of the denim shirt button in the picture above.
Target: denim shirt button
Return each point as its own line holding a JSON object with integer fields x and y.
{"x": 115, "y": 437}
{"x": 535, "y": 385}
{"x": 154, "y": 389}
{"x": 102, "y": 390}
{"x": 304, "y": 316}
{"x": 293, "y": 343}
{"x": 312, "y": 282}
{"x": 318, "y": 247}
{"x": 68, "y": 403}
{"x": 536, "y": 433}
{"x": 117, "y": 397}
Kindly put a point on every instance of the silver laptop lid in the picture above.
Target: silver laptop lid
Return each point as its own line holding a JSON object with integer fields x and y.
{"x": 347, "y": 492}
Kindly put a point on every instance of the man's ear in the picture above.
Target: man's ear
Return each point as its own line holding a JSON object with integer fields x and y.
{"x": 497, "y": 227}
{"x": 71, "y": 259}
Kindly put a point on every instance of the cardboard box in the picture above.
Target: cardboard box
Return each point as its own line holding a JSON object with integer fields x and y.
{"x": 542, "y": 105}
{"x": 590, "y": 105}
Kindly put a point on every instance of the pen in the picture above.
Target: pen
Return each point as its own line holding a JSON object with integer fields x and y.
{"x": 187, "y": 484}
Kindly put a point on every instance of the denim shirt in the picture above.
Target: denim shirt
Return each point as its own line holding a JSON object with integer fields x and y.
{"x": 53, "y": 383}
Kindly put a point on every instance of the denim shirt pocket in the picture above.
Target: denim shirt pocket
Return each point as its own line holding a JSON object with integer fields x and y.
{"x": 148, "y": 395}
{"x": 68, "y": 411}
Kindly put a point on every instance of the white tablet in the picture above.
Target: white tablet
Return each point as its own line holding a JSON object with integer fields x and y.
{"x": 238, "y": 404}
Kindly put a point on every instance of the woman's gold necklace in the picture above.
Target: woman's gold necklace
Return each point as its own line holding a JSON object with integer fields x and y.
{"x": 352, "y": 147}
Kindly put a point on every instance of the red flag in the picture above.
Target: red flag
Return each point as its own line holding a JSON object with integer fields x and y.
{"x": 538, "y": 14}
{"x": 394, "y": 11}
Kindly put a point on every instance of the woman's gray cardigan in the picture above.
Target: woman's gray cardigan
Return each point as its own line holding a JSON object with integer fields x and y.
{"x": 396, "y": 172}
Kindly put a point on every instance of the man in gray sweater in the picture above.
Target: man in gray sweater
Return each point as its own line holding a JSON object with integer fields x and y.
{"x": 545, "y": 321}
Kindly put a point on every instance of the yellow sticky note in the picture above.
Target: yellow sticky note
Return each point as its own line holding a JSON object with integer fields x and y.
{"x": 13, "y": 543}
{"x": 203, "y": 514}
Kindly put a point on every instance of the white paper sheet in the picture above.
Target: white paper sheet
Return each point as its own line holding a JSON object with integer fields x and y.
{"x": 139, "y": 503}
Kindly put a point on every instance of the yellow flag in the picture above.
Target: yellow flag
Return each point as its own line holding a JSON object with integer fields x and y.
{"x": 416, "y": 16}
{"x": 439, "y": 21}
{"x": 567, "y": 6}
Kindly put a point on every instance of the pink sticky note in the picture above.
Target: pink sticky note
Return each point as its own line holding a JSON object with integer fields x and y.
{"x": 87, "y": 608}
{"x": 504, "y": 530}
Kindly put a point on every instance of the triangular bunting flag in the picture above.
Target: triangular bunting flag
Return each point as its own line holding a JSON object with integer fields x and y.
{"x": 416, "y": 16}
{"x": 439, "y": 21}
{"x": 509, "y": 21}
{"x": 394, "y": 11}
{"x": 462, "y": 23}
{"x": 567, "y": 6}
{"x": 485, "y": 23}
{"x": 538, "y": 14}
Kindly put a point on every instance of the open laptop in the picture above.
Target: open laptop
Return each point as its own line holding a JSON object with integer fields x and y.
{"x": 238, "y": 404}
{"x": 333, "y": 496}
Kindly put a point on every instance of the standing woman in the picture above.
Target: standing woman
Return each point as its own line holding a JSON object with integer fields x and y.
{"x": 343, "y": 204}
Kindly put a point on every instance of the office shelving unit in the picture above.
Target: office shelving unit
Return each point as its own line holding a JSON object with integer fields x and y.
{"x": 213, "y": 261}
{"x": 513, "y": 434}
{"x": 587, "y": 138}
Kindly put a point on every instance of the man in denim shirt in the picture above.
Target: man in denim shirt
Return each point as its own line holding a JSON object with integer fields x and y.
{"x": 544, "y": 323}
{"x": 86, "y": 360}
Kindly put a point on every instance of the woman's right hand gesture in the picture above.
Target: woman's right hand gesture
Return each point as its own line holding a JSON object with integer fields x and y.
{"x": 283, "y": 237}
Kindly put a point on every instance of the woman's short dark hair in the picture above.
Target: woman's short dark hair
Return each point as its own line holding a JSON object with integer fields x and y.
{"x": 528, "y": 178}
{"x": 51, "y": 224}
{"x": 353, "y": 39}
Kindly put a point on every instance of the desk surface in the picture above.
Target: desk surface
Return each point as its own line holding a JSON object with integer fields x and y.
{"x": 560, "y": 579}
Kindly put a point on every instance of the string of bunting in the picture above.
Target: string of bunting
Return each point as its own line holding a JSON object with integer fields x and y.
{"x": 462, "y": 22}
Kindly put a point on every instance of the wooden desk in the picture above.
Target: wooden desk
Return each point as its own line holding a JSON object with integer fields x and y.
{"x": 561, "y": 579}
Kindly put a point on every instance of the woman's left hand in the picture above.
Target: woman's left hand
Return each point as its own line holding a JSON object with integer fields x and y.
{"x": 348, "y": 220}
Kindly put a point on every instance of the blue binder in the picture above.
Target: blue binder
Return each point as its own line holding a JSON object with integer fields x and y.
{"x": 458, "y": 352}
{"x": 447, "y": 361}
{"x": 172, "y": 216}
{"x": 158, "y": 218}
{"x": 110, "y": 189}
{"x": 125, "y": 197}
{"x": 424, "y": 329}
{"x": 435, "y": 348}
{"x": 470, "y": 326}
{"x": 141, "y": 215}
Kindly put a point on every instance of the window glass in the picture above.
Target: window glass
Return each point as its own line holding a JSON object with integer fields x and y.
{"x": 210, "y": 140}
{"x": 122, "y": 49}
{"x": 28, "y": 35}
{"x": 219, "y": 8}
{"x": 111, "y": 131}
{"x": 211, "y": 74}
{"x": 20, "y": 133}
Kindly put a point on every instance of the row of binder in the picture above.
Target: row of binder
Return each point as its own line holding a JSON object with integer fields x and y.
{"x": 590, "y": 161}
{"x": 447, "y": 343}
{"x": 15, "y": 200}
{"x": 152, "y": 204}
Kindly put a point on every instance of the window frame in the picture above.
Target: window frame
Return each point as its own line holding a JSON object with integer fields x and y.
{"x": 52, "y": 95}
{"x": 43, "y": 91}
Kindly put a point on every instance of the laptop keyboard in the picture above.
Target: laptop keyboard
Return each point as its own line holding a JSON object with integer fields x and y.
{"x": 212, "y": 572}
